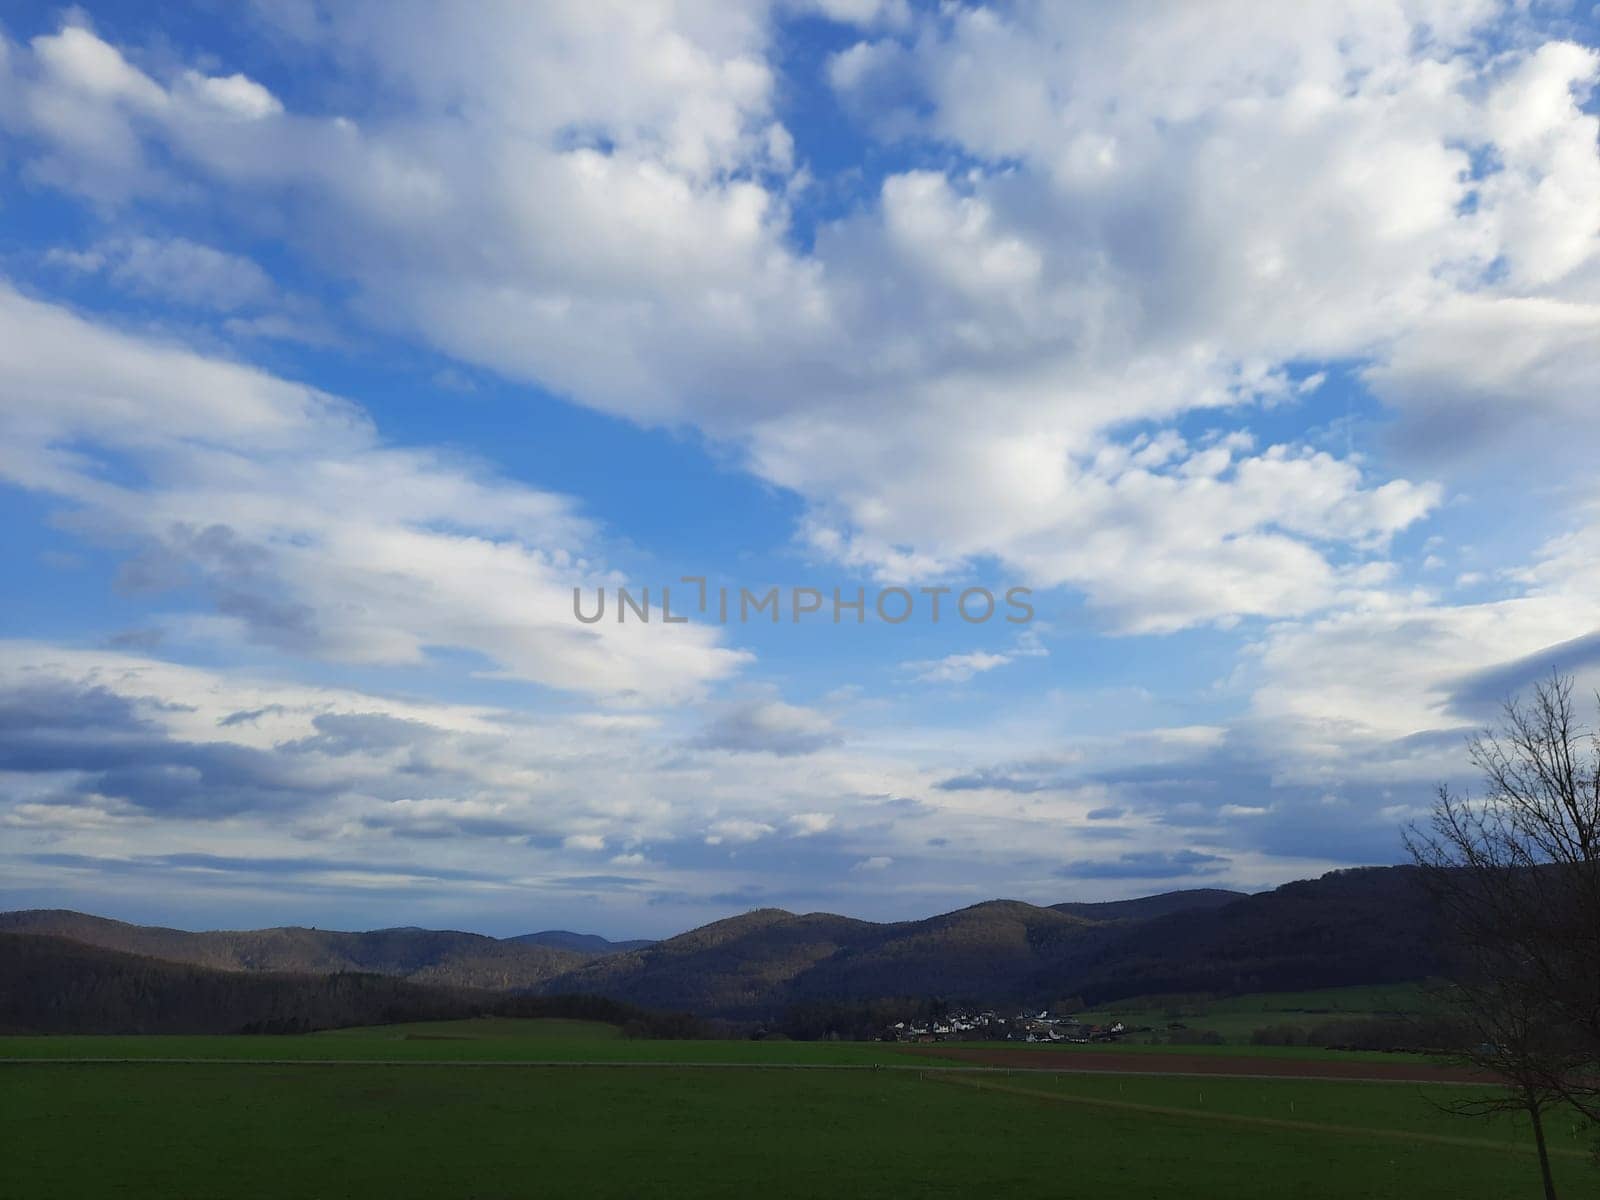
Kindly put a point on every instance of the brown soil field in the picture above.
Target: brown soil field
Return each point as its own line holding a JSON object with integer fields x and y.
{"x": 1199, "y": 1064}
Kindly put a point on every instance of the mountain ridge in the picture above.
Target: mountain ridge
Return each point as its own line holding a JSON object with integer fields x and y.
{"x": 449, "y": 958}
{"x": 581, "y": 943}
{"x": 1363, "y": 925}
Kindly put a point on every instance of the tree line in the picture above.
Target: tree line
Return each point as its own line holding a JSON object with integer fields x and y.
{"x": 52, "y": 985}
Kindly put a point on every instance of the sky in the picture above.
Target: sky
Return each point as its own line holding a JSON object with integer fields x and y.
{"x": 343, "y": 344}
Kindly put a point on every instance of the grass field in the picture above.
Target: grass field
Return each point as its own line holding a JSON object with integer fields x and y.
{"x": 1235, "y": 1018}
{"x": 481, "y": 1040}
{"x": 1225, "y": 1050}
{"x": 1409, "y": 1110}
{"x": 499, "y": 1039}
{"x": 235, "y": 1128}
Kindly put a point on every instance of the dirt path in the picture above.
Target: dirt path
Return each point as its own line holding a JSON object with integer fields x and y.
{"x": 980, "y": 1083}
{"x": 1131, "y": 1063}
{"x": 948, "y": 1059}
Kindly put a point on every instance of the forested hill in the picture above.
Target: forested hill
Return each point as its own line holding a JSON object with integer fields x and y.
{"x": 587, "y": 944}
{"x": 1146, "y": 907}
{"x": 1368, "y": 925}
{"x": 54, "y": 985}
{"x": 441, "y": 957}
{"x": 1349, "y": 927}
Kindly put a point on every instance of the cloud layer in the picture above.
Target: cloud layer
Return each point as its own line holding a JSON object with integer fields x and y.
{"x": 1262, "y": 349}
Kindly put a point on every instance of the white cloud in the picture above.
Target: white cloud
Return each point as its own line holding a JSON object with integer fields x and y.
{"x": 312, "y": 536}
{"x": 808, "y": 824}
{"x": 737, "y": 829}
{"x": 1338, "y": 697}
{"x": 1125, "y": 228}
{"x": 951, "y": 371}
{"x": 433, "y": 804}
{"x": 236, "y": 95}
{"x": 955, "y": 668}
{"x": 769, "y": 726}
{"x": 962, "y": 668}
{"x": 175, "y": 269}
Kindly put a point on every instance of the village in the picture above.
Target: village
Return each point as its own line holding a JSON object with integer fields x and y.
{"x": 989, "y": 1026}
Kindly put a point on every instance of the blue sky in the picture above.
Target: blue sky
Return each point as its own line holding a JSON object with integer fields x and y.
{"x": 340, "y": 343}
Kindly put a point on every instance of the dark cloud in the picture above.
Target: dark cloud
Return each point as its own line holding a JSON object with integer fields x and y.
{"x": 1106, "y": 814}
{"x": 57, "y": 726}
{"x": 749, "y": 896}
{"x": 240, "y": 575}
{"x": 54, "y": 706}
{"x": 997, "y": 779}
{"x": 1147, "y": 864}
{"x": 768, "y": 727}
{"x": 906, "y": 807}
{"x": 1101, "y": 833}
{"x": 154, "y": 569}
{"x": 1172, "y": 779}
{"x": 136, "y": 639}
{"x": 249, "y": 716}
{"x": 596, "y": 881}
{"x": 1481, "y": 695}
{"x": 437, "y": 826}
{"x": 1022, "y": 778}
{"x": 340, "y": 734}
{"x": 250, "y": 865}
{"x": 818, "y": 859}
{"x": 273, "y": 621}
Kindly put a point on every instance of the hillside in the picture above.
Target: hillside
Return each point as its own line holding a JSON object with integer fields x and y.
{"x": 1349, "y": 927}
{"x": 758, "y": 964}
{"x": 1146, "y": 907}
{"x": 591, "y": 944}
{"x": 52, "y": 984}
{"x": 740, "y": 966}
{"x": 439, "y": 957}
{"x": 1368, "y": 925}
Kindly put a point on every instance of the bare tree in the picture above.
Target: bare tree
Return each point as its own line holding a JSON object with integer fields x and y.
{"x": 1515, "y": 874}
{"x": 1504, "y": 1038}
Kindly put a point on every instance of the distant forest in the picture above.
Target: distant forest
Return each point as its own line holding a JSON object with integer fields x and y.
{"x": 67, "y": 971}
{"x": 54, "y": 985}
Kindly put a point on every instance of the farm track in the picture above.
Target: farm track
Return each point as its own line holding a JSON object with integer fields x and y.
{"x": 1164, "y": 1110}
{"x": 1146, "y": 1065}
{"x": 1205, "y": 1064}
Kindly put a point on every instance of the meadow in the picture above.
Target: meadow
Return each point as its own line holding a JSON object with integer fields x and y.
{"x": 409, "y": 1117}
{"x": 1235, "y": 1018}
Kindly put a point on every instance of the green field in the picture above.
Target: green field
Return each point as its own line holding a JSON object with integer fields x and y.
{"x": 427, "y": 1128}
{"x": 1406, "y": 1109}
{"x": 489, "y": 1039}
{"x": 496, "y": 1039}
{"x": 1235, "y": 1018}
{"x": 1225, "y": 1050}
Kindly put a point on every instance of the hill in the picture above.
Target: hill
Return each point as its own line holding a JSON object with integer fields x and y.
{"x": 1349, "y": 927}
{"x": 51, "y": 985}
{"x": 440, "y": 957}
{"x": 745, "y": 965}
{"x": 56, "y": 985}
{"x": 1146, "y": 907}
{"x": 1366, "y": 926}
{"x": 579, "y": 943}
{"x": 758, "y": 964}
